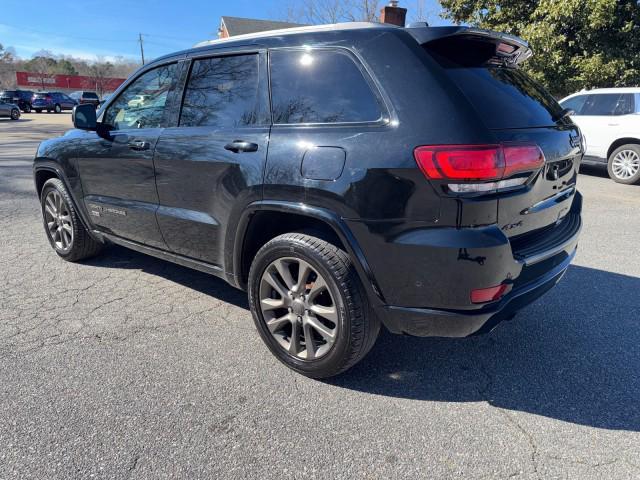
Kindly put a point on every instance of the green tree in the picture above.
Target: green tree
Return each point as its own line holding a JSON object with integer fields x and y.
{"x": 65, "y": 67}
{"x": 576, "y": 43}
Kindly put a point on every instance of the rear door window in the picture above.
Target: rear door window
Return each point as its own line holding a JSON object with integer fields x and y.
{"x": 608, "y": 104}
{"x": 223, "y": 92}
{"x": 603, "y": 104}
{"x": 320, "y": 86}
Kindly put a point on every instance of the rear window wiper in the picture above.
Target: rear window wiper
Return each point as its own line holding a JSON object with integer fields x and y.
{"x": 565, "y": 112}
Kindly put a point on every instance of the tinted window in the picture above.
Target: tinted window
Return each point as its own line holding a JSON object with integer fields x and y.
{"x": 319, "y": 86}
{"x": 90, "y": 95}
{"x": 609, "y": 104}
{"x": 506, "y": 97}
{"x": 141, "y": 104}
{"x": 575, "y": 103}
{"x": 222, "y": 92}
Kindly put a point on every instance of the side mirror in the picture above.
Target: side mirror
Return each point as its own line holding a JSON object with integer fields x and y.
{"x": 84, "y": 117}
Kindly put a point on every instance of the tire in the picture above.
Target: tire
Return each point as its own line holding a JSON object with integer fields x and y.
{"x": 38, "y": 110}
{"x": 623, "y": 164}
{"x": 74, "y": 243}
{"x": 338, "y": 344}
{"x": 15, "y": 114}
{"x": 57, "y": 108}
{"x": 27, "y": 108}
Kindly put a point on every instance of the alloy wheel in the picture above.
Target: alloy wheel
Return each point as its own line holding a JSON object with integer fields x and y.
{"x": 15, "y": 114}
{"x": 625, "y": 164}
{"x": 58, "y": 220}
{"x": 298, "y": 308}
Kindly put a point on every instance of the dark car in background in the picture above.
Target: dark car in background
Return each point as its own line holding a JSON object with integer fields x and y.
{"x": 414, "y": 177}
{"x": 83, "y": 97}
{"x": 22, "y": 98}
{"x": 52, "y": 102}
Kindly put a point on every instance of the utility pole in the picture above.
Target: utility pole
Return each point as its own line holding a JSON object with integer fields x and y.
{"x": 141, "y": 47}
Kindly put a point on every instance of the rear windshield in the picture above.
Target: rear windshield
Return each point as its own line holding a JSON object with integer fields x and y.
{"x": 505, "y": 97}
{"x": 40, "y": 95}
{"x": 8, "y": 93}
{"x": 90, "y": 95}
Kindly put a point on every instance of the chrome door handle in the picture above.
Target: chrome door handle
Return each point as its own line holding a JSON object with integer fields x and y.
{"x": 139, "y": 145}
{"x": 239, "y": 146}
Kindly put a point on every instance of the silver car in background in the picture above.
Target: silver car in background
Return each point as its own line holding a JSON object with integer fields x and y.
{"x": 10, "y": 110}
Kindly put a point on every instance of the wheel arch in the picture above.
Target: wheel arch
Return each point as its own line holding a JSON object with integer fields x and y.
{"x": 45, "y": 169}
{"x": 622, "y": 141}
{"x": 259, "y": 223}
{"x": 44, "y": 173}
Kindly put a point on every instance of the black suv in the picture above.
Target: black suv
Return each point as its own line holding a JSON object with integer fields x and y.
{"x": 346, "y": 176}
{"x": 22, "y": 98}
{"x": 86, "y": 97}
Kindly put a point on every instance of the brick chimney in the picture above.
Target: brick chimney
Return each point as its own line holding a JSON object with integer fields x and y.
{"x": 393, "y": 14}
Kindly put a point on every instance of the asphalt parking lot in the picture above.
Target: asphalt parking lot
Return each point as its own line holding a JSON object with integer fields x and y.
{"x": 130, "y": 367}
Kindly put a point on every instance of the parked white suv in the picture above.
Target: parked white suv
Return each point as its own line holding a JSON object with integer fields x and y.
{"x": 610, "y": 122}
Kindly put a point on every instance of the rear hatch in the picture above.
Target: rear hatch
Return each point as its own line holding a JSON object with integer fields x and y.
{"x": 89, "y": 97}
{"x": 485, "y": 67}
{"x": 41, "y": 99}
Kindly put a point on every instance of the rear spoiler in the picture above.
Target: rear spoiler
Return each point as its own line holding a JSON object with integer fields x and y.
{"x": 510, "y": 50}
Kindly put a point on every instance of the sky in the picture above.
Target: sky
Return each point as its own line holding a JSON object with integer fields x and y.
{"x": 87, "y": 28}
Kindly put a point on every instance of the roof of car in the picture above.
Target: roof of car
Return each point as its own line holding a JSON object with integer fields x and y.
{"x": 297, "y": 31}
{"x": 274, "y": 36}
{"x": 608, "y": 90}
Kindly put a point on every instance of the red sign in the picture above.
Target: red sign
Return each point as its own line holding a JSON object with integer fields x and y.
{"x": 76, "y": 82}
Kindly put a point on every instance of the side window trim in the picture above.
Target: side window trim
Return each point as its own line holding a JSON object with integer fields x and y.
{"x": 123, "y": 88}
{"x": 263, "y": 79}
{"x": 386, "y": 116}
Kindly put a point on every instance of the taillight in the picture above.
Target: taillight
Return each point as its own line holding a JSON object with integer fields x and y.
{"x": 522, "y": 158}
{"x": 490, "y": 164}
{"x": 491, "y": 294}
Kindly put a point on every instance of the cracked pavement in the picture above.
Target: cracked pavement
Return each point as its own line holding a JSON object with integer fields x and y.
{"x": 128, "y": 367}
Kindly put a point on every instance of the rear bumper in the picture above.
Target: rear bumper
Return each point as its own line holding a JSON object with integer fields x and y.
{"x": 427, "y": 276}
{"x": 424, "y": 322}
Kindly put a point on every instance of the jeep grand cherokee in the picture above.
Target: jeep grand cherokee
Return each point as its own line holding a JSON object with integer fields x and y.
{"x": 346, "y": 176}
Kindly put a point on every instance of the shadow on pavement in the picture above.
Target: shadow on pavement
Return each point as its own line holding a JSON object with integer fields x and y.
{"x": 120, "y": 257}
{"x": 20, "y": 120}
{"x": 595, "y": 170}
{"x": 574, "y": 355}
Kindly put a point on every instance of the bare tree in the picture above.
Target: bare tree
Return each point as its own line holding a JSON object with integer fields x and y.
{"x": 419, "y": 11}
{"x": 99, "y": 73}
{"x": 315, "y": 12}
{"x": 44, "y": 66}
{"x": 7, "y": 67}
{"x": 332, "y": 11}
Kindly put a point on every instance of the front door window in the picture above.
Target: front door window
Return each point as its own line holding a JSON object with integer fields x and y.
{"x": 142, "y": 104}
